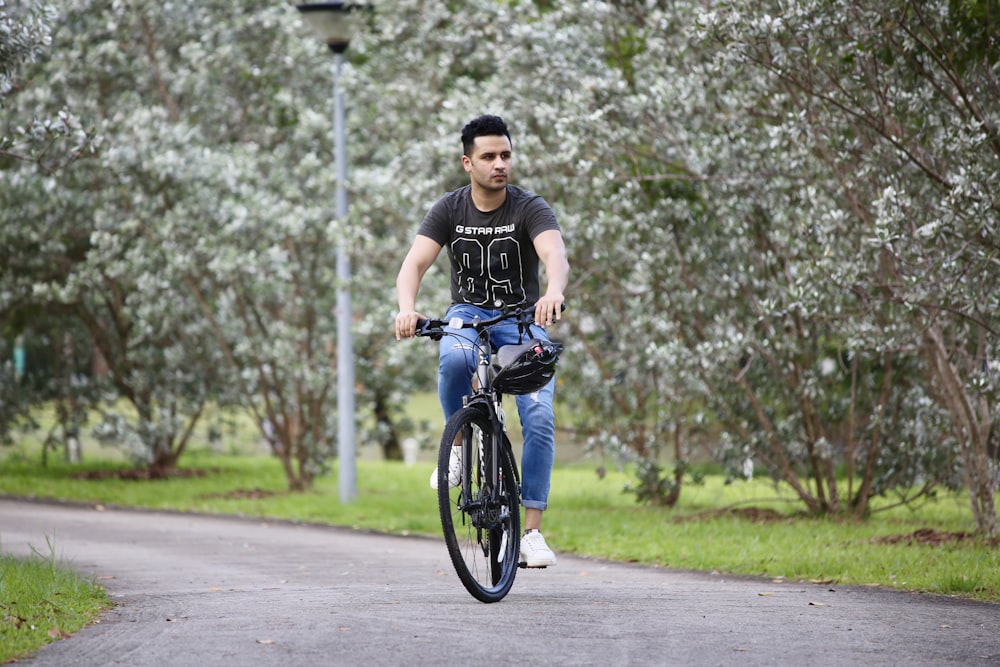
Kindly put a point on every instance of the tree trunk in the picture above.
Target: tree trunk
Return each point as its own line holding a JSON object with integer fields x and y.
{"x": 971, "y": 419}
{"x": 392, "y": 450}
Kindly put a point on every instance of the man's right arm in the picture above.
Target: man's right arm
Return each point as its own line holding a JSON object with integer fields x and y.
{"x": 421, "y": 256}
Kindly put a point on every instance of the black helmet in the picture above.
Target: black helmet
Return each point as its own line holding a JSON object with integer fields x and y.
{"x": 525, "y": 368}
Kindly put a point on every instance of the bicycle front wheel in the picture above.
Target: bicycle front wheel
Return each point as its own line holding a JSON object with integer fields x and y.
{"x": 481, "y": 519}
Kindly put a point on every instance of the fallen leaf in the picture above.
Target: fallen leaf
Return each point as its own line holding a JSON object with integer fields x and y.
{"x": 57, "y": 633}
{"x": 18, "y": 621}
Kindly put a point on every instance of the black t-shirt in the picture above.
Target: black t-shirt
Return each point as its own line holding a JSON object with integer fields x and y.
{"x": 492, "y": 254}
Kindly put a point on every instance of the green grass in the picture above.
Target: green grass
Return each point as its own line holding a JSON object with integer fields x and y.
{"x": 41, "y": 601}
{"x": 588, "y": 516}
{"x": 711, "y": 529}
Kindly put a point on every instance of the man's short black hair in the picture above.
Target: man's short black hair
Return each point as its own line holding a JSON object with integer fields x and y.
{"x": 484, "y": 126}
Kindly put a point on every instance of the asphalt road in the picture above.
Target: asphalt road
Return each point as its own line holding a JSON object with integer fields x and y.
{"x": 212, "y": 591}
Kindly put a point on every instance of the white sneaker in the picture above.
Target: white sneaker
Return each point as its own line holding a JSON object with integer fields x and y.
{"x": 534, "y": 551}
{"x": 454, "y": 470}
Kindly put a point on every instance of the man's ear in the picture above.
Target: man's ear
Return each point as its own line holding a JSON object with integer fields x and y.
{"x": 466, "y": 163}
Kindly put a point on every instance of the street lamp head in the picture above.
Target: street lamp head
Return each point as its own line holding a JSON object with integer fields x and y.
{"x": 333, "y": 22}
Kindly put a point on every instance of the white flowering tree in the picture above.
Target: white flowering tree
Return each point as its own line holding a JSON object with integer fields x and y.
{"x": 782, "y": 238}
{"x": 720, "y": 220}
{"x": 899, "y": 118}
{"x": 21, "y": 40}
{"x": 192, "y": 212}
{"x": 40, "y": 144}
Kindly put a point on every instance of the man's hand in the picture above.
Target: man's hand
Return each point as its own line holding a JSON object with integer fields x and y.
{"x": 406, "y": 323}
{"x": 548, "y": 309}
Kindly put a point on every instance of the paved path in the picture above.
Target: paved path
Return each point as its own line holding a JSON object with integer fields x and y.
{"x": 212, "y": 591}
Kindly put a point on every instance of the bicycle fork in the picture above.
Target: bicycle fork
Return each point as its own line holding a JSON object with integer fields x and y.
{"x": 487, "y": 509}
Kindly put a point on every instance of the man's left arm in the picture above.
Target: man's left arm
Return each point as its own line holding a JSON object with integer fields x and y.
{"x": 551, "y": 252}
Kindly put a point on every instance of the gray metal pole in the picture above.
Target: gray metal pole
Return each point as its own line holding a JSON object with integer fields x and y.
{"x": 345, "y": 348}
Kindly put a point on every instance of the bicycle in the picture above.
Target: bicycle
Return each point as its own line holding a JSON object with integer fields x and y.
{"x": 481, "y": 516}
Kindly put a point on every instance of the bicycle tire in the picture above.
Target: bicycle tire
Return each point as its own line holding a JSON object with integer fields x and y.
{"x": 483, "y": 532}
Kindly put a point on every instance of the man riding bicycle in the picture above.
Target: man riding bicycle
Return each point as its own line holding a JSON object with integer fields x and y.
{"x": 497, "y": 234}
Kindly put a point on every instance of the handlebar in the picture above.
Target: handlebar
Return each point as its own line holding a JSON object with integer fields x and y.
{"x": 434, "y": 328}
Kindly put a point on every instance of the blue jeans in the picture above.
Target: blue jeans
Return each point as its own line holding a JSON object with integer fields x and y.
{"x": 457, "y": 366}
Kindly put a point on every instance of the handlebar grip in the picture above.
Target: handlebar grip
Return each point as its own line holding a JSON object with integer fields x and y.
{"x": 429, "y": 328}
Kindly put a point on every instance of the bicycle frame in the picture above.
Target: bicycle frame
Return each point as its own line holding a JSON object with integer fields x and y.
{"x": 483, "y": 394}
{"x": 491, "y": 402}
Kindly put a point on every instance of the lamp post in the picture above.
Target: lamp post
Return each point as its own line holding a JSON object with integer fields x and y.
{"x": 333, "y": 22}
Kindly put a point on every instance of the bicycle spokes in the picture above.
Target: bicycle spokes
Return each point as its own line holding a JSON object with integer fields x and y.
{"x": 503, "y": 547}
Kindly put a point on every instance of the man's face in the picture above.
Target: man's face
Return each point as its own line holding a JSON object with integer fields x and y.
{"x": 490, "y": 163}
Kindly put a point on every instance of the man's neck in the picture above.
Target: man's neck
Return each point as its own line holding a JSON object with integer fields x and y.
{"x": 488, "y": 200}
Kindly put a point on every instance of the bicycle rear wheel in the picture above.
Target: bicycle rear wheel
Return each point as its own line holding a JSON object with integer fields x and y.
{"x": 482, "y": 520}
